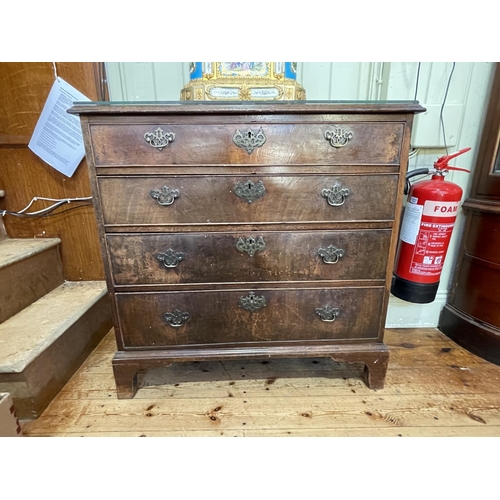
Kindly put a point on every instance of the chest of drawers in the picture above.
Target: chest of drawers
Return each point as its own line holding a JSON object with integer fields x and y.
{"x": 247, "y": 230}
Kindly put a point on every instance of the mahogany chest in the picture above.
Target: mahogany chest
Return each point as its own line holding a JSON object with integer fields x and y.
{"x": 247, "y": 230}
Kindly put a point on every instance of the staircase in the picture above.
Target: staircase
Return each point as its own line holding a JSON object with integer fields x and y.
{"x": 47, "y": 326}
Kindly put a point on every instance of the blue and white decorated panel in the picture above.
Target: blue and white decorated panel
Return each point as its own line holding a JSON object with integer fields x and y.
{"x": 195, "y": 70}
{"x": 243, "y": 69}
{"x": 291, "y": 70}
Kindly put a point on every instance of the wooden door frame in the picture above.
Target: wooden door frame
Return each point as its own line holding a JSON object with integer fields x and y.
{"x": 486, "y": 184}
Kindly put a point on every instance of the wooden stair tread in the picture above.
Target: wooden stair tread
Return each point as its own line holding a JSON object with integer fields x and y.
{"x": 27, "y": 334}
{"x": 14, "y": 250}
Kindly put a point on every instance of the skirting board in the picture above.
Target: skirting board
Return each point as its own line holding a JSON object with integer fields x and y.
{"x": 401, "y": 314}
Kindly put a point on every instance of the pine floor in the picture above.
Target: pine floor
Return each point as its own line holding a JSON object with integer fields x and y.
{"x": 433, "y": 388}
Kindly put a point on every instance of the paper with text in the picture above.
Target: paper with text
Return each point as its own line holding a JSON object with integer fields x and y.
{"x": 57, "y": 138}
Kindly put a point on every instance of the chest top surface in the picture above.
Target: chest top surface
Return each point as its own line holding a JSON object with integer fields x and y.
{"x": 278, "y": 107}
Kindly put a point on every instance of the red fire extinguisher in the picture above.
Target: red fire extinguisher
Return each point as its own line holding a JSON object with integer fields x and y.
{"x": 428, "y": 221}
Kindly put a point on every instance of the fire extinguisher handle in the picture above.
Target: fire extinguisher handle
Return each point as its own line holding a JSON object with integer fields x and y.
{"x": 449, "y": 167}
{"x": 442, "y": 163}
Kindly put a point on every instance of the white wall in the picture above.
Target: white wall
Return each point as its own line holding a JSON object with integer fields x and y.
{"x": 463, "y": 116}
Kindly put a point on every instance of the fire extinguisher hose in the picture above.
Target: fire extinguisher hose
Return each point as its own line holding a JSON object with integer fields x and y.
{"x": 417, "y": 171}
{"x": 414, "y": 173}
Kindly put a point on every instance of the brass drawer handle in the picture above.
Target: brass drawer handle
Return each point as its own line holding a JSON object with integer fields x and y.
{"x": 251, "y": 245}
{"x": 249, "y": 191}
{"x": 170, "y": 258}
{"x": 327, "y": 313}
{"x": 252, "y": 302}
{"x": 176, "y": 318}
{"x": 249, "y": 139}
{"x": 159, "y": 138}
{"x": 164, "y": 196}
{"x": 336, "y": 195}
{"x": 338, "y": 137}
{"x": 331, "y": 254}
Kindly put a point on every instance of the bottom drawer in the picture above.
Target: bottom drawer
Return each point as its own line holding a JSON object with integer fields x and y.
{"x": 156, "y": 320}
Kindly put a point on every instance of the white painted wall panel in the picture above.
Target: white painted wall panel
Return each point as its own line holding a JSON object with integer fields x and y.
{"x": 332, "y": 81}
{"x": 146, "y": 81}
{"x": 344, "y": 82}
{"x": 169, "y": 78}
{"x": 316, "y": 79}
{"x": 463, "y": 115}
{"x": 139, "y": 81}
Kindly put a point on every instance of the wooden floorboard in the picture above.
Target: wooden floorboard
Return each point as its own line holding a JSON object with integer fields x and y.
{"x": 433, "y": 388}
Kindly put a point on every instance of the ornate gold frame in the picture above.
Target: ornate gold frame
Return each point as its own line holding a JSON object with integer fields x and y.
{"x": 200, "y": 89}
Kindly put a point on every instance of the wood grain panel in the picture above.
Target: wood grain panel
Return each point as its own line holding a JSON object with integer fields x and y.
{"x": 214, "y": 257}
{"x": 122, "y": 144}
{"x": 483, "y": 239}
{"x": 211, "y": 200}
{"x": 216, "y": 317}
{"x": 23, "y": 89}
{"x": 24, "y": 282}
{"x": 477, "y": 291}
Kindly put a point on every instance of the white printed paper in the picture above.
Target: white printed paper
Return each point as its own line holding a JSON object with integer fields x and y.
{"x": 411, "y": 223}
{"x": 57, "y": 138}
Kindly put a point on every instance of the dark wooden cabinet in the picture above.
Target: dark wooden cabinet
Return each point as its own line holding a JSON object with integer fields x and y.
{"x": 472, "y": 315}
{"x": 247, "y": 230}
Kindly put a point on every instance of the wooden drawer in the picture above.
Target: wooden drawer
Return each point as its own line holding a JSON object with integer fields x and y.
{"x": 285, "y": 144}
{"x": 220, "y": 316}
{"x": 248, "y": 257}
{"x": 204, "y": 200}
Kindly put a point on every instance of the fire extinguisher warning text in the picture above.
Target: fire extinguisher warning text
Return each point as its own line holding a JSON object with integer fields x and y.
{"x": 411, "y": 223}
{"x": 430, "y": 249}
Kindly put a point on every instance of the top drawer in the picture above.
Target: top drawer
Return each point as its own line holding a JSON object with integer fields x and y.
{"x": 328, "y": 143}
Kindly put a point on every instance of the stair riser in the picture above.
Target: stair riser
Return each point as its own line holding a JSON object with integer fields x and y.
{"x": 3, "y": 232}
{"x": 28, "y": 280}
{"x": 34, "y": 388}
